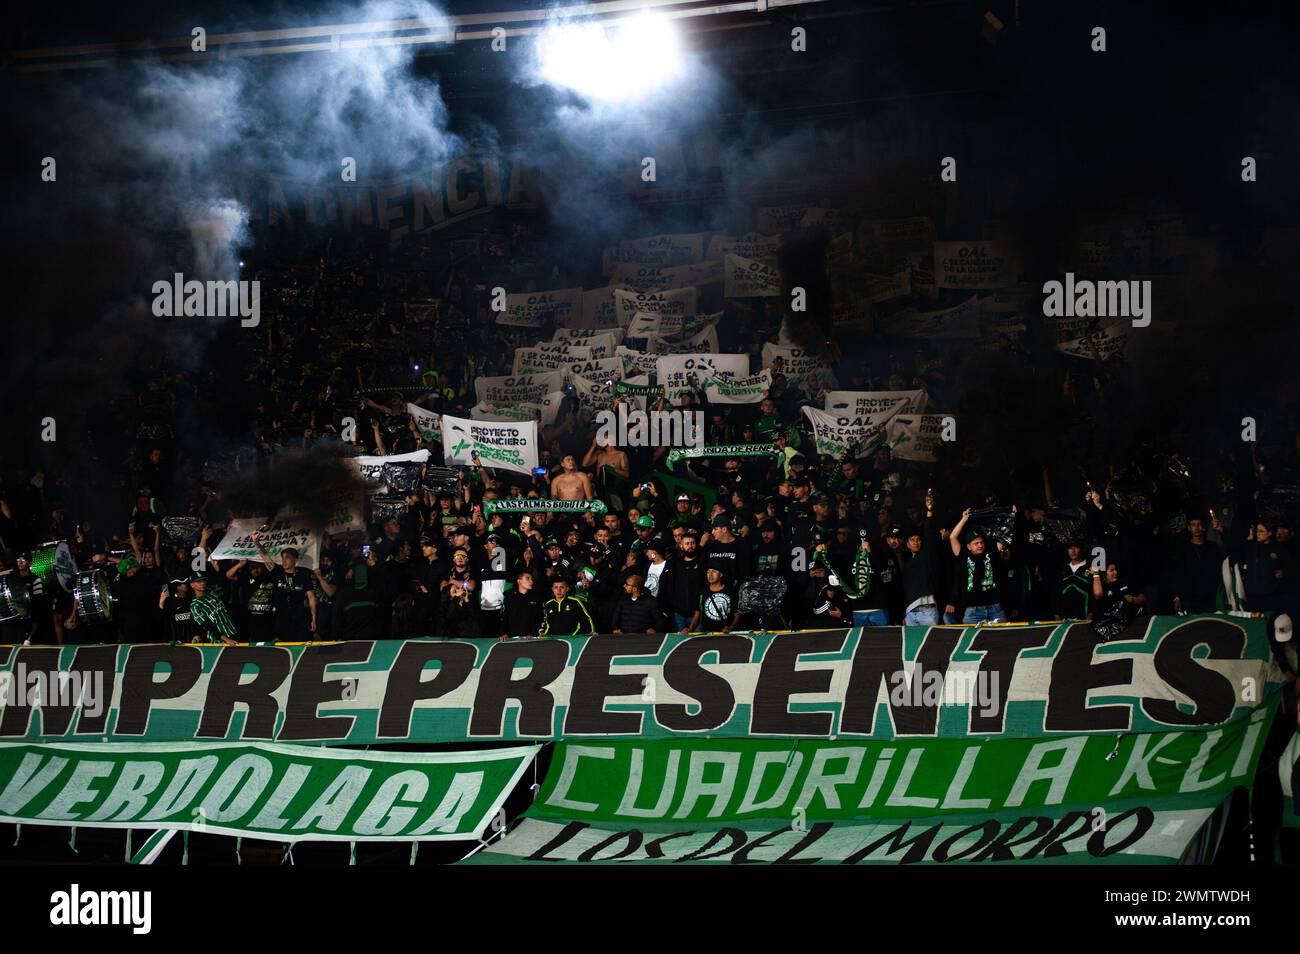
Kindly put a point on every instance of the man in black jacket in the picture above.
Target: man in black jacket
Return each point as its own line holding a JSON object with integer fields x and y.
{"x": 637, "y": 611}
{"x": 564, "y": 615}
{"x": 523, "y": 608}
{"x": 1196, "y": 569}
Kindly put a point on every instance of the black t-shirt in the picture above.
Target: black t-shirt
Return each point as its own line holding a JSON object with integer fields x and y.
{"x": 737, "y": 556}
{"x": 290, "y": 596}
{"x": 176, "y": 615}
{"x": 717, "y": 609}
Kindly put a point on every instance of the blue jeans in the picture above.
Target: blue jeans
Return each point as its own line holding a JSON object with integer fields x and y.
{"x": 876, "y": 617}
{"x": 925, "y": 616}
{"x": 989, "y": 613}
{"x": 682, "y": 622}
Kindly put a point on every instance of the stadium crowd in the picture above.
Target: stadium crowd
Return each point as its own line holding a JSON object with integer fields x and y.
{"x": 865, "y": 541}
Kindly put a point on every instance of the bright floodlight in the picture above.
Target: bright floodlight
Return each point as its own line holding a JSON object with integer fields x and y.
{"x": 623, "y": 62}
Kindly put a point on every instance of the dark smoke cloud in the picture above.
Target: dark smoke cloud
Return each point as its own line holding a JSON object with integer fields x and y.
{"x": 312, "y": 481}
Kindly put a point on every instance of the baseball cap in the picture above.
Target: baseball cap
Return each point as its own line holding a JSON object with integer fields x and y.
{"x": 645, "y": 520}
{"x": 1282, "y": 628}
{"x": 552, "y": 542}
{"x": 894, "y": 532}
{"x": 716, "y": 565}
{"x": 494, "y": 538}
{"x": 820, "y": 499}
{"x": 683, "y": 496}
{"x": 721, "y": 520}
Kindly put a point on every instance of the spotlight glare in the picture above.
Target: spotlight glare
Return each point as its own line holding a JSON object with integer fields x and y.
{"x": 623, "y": 62}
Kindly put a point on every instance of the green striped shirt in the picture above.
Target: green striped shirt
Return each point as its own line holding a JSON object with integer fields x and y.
{"x": 210, "y": 613}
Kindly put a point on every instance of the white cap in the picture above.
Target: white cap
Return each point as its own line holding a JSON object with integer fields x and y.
{"x": 1282, "y": 628}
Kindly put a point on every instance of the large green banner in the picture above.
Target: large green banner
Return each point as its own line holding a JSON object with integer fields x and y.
{"x": 876, "y": 683}
{"x": 263, "y": 790}
{"x": 1131, "y": 798}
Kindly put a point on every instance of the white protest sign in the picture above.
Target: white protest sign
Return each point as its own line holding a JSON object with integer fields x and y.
{"x": 804, "y": 370}
{"x": 974, "y": 264}
{"x": 676, "y": 302}
{"x": 532, "y": 309}
{"x": 599, "y": 311}
{"x": 508, "y": 446}
{"x": 238, "y": 543}
{"x": 960, "y": 321}
{"x": 1100, "y": 344}
{"x": 654, "y": 278}
{"x": 865, "y": 403}
{"x": 761, "y": 248}
{"x": 842, "y": 436}
{"x": 686, "y": 372}
{"x": 427, "y": 423}
{"x": 637, "y": 361}
{"x": 747, "y": 278}
{"x": 748, "y": 390}
{"x": 916, "y": 437}
{"x": 518, "y": 387}
{"x": 602, "y": 368}
{"x": 533, "y": 361}
{"x": 679, "y": 249}
{"x": 705, "y": 342}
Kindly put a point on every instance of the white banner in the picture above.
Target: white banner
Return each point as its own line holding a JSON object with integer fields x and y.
{"x": 593, "y": 394}
{"x": 637, "y": 362}
{"x": 598, "y": 310}
{"x": 507, "y": 446}
{"x": 864, "y": 403}
{"x": 748, "y": 390}
{"x": 518, "y": 387}
{"x": 843, "y": 436}
{"x": 706, "y": 342}
{"x": 657, "y": 278}
{"x": 759, "y": 247}
{"x": 803, "y": 370}
{"x": 974, "y": 264}
{"x": 589, "y": 336}
{"x": 1101, "y": 344}
{"x": 533, "y": 361}
{"x": 680, "y": 249}
{"x": 661, "y": 326}
{"x": 914, "y": 234}
{"x": 532, "y": 309}
{"x": 676, "y": 372}
{"x": 427, "y": 423}
{"x": 960, "y": 321}
{"x": 519, "y": 410}
{"x": 673, "y": 302}
{"x": 602, "y": 368}
{"x": 747, "y": 278}
{"x": 916, "y": 437}
{"x": 294, "y": 532}
{"x": 779, "y": 219}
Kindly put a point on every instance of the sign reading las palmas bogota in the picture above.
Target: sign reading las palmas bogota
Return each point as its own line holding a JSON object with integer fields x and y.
{"x": 886, "y": 683}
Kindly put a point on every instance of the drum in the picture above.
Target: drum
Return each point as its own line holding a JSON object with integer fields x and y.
{"x": 91, "y": 594}
{"x": 53, "y": 563}
{"x": 15, "y": 597}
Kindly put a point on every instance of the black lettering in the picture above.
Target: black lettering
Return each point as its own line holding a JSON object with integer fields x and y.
{"x": 778, "y": 681}
{"x": 634, "y": 839}
{"x": 682, "y": 672}
{"x": 225, "y": 690}
{"x": 879, "y": 658}
{"x": 1053, "y": 844}
{"x": 738, "y": 838}
{"x": 593, "y": 683}
{"x": 1073, "y": 675}
{"x": 1213, "y": 695}
{"x": 308, "y": 689}
{"x": 918, "y": 846}
{"x": 36, "y": 659}
{"x": 990, "y": 830}
{"x": 814, "y": 834}
{"x": 536, "y": 702}
{"x": 566, "y": 834}
{"x": 654, "y": 848}
{"x": 405, "y": 686}
{"x": 742, "y": 856}
{"x": 89, "y": 661}
{"x": 1145, "y": 818}
{"x": 139, "y": 690}
{"x": 1000, "y": 848}
{"x": 1001, "y": 651}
